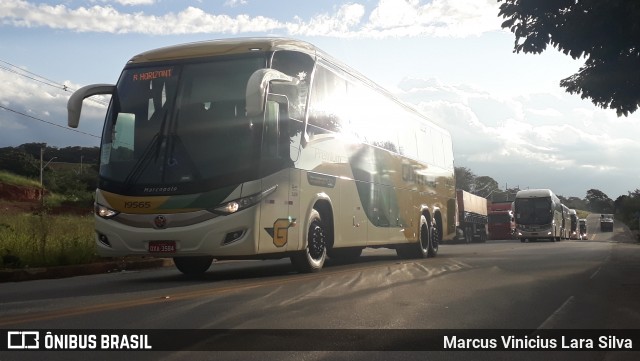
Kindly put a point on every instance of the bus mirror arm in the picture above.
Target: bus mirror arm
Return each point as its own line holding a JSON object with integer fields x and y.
{"x": 74, "y": 104}
{"x": 257, "y": 87}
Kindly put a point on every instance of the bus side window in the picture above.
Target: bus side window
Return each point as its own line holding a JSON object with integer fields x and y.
{"x": 299, "y": 66}
{"x": 328, "y": 94}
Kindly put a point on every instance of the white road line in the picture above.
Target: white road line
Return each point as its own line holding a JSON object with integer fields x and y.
{"x": 549, "y": 323}
{"x": 595, "y": 273}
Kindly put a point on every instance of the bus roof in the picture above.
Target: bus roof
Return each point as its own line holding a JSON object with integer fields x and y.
{"x": 223, "y": 47}
{"x": 533, "y": 193}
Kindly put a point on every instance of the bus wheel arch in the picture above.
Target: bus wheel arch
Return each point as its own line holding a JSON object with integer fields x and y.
{"x": 318, "y": 239}
{"x": 424, "y": 240}
{"x": 419, "y": 248}
{"x": 324, "y": 207}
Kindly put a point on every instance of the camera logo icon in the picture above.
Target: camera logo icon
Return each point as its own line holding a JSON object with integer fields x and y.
{"x": 21, "y": 340}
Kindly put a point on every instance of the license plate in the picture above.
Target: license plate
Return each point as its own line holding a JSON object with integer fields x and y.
{"x": 534, "y": 233}
{"x": 162, "y": 246}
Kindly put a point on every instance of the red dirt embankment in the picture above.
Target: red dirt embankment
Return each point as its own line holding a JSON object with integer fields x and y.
{"x": 27, "y": 199}
{"x": 11, "y": 192}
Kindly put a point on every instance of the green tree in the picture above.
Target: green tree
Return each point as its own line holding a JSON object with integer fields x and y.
{"x": 603, "y": 33}
{"x": 598, "y": 201}
{"x": 484, "y": 186}
{"x": 576, "y": 203}
{"x": 19, "y": 162}
{"x": 628, "y": 209}
{"x": 465, "y": 178}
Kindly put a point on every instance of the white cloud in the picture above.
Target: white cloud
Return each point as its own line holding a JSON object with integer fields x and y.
{"x": 107, "y": 19}
{"x": 394, "y": 13}
{"x": 36, "y": 112}
{"x": 339, "y": 24}
{"x": 536, "y": 141}
{"x": 234, "y": 3}
{"x": 547, "y": 112}
{"x": 444, "y": 18}
{"x": 390, "y": 18}
{"x": 126, "y": 2}
{"x": 135, "y": 2}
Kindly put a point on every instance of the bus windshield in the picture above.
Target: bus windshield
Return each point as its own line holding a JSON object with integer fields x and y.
{"x": 180, "y": 127}
{"x": 531, "y": 211}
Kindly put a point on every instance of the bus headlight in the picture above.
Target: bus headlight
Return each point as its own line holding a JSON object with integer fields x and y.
{"x": 232, "y": 207}
{"x": 104, "y": 212}
{"x": 242, "y": 203}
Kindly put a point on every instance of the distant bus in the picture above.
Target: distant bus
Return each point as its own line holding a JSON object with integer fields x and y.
{"x": 538, "y": 215}
{"x": 583, "y": 229}
{"x": 566, "y": 222}
{"x": 574, "y": 231}
{"x": 264, "y": 148}
{"x": 606, "y": 222}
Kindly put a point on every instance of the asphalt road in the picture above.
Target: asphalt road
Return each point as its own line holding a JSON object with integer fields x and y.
{"x": 588, "y": 284}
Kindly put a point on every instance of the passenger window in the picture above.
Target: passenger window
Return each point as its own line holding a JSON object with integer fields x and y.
{"x": 327, "y": 101}
{"x": 299, "y": 66}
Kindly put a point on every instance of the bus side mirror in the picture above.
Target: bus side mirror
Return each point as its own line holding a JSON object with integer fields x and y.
{"x": 74, "y": 104}
{"x": 260, "y": 80}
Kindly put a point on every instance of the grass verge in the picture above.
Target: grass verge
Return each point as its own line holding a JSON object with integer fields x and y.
{"x": 16, "y": 180}
{"x": 42, "y": 239}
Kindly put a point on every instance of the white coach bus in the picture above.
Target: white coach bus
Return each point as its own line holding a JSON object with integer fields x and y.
{"x": 539, "y": 215}
{"x": 264, "y": 148}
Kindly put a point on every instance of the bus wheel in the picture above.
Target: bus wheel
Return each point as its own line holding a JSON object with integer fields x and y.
{"x": 468, "y": 235}
{"x": 522, "y": 240}
{"x": 312, "y": 258}
{"x": 193, "y": 266}
{"x": 419, "y": 249}
{"x": 434, "y": 243}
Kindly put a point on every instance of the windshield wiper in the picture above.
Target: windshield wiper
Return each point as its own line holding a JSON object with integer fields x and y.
{"x": 142, "y": 162}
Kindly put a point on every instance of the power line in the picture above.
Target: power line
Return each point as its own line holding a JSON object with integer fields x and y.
{"x": 41, "y": 79}
{"x": 50, "y": 123}
{"x": 63, "y": 87}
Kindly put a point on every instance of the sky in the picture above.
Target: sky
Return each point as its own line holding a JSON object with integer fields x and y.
{"x": 450, "y": 59}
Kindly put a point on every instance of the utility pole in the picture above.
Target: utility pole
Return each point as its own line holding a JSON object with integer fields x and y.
{"x": 506, "y": 190}
{"x": 41, "y": 156}
{"x": 42, "y": 167}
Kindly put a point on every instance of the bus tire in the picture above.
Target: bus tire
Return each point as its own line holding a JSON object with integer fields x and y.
{"x": 483, "y": 237}
{"x": 434, "y": 242}
{"x": 312, "y": 258}
{"x": 468, "y": 234}
{"x": 193, "y": 266}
